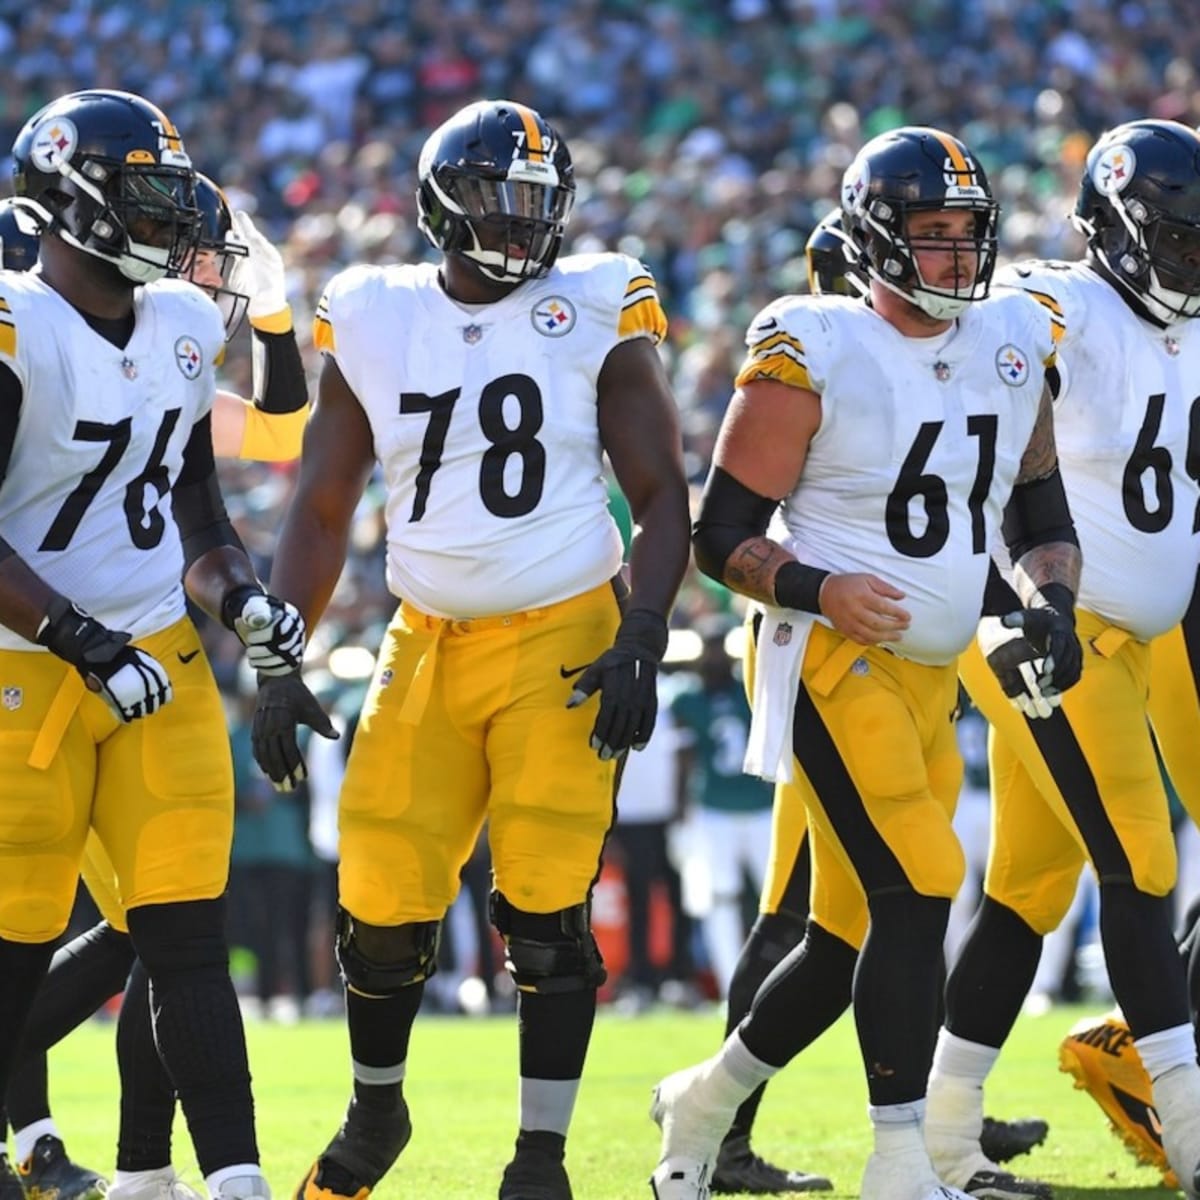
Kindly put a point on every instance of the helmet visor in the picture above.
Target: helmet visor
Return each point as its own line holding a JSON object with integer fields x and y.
{"x": 1174, "y": 251}
{"x": 157, "y": 207}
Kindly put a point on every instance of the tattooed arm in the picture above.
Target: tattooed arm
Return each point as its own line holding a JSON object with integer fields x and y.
{"x": 759, "y": 457}
{"x": 1038, "y": 528}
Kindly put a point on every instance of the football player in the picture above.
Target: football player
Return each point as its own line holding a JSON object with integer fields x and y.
{"x": 832, "y": 270}
{"x": 1084, "y": 785}
{"x": 488, "y": 387}
{"x": 111, "y": 716}
{"x": 893, "y": 435}
{"x": 96, "y": 966}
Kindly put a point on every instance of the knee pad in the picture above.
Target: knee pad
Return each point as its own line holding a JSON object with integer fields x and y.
{"x": 379, "y": 960}
{"x": 181, "y": 939}
{"x": 549, "y": 952}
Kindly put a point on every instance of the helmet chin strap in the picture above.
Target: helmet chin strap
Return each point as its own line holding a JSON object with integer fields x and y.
{"x": 940, "y": 308}
{"x": 149, "y": 266}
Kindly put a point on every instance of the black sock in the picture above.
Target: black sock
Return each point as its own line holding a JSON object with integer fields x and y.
{"x": 28, "y": 1091}
{"x": 994, "y": 972}
{"x": 147, "y": 1093}
{"x": 554, "y": 1031}
{"x": 198, "y": 1025}
{"x": 773, "y": 936}
{"x": 896, "y": 988}
{"x": 1138, "y": 946}
{"x": 380, "y": 1028}
{"x": 801, "y": 998}
{"x": 22, "y": 966}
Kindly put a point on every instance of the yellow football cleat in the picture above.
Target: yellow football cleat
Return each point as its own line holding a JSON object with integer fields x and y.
{"x": 1099, "y": 1053}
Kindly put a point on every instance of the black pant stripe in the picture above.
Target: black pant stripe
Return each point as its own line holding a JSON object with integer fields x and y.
{"x": 794, "y": 901}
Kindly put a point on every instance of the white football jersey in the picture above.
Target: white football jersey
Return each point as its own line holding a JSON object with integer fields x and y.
{"x": 1127, "y": 424}
{"x": 919, "y": 444}
{"x": 485, "y": 425}
{"x": 86, "y": 500}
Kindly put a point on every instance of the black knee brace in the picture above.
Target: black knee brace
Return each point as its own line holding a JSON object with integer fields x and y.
{"x": 378, "y": 960}
{"x": 549, "y": 952}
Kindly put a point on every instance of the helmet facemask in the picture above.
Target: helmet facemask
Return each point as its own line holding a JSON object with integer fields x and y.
{"x": 891, "y": 252}
{"x": 211, "y": 267}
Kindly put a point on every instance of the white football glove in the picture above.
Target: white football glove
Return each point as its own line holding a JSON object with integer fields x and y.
{"x": 133, "y": 684}
{"x": 259, "y": 273}
{"x": 272, "y": 631}
{"x": 1026, "y": 676}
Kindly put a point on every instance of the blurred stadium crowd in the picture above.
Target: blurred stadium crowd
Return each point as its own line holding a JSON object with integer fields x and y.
{"x": 709, "y": 137}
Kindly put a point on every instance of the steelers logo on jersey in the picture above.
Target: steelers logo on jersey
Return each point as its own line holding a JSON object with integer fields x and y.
{"x": 1114, "y": 169}
{"x": 1012, "y": 365}
{"x": 54, "y": 142}
{"x": 554, "y": 316}
{"x": 188, "y": 357}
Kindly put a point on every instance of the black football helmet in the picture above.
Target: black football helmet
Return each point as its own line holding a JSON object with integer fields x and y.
{"x": 1139, "y": 207}
{"x": 107, "y": 172}
{"x": 215, "y": 251}
{"x": 910, "y": 170}
{"x": 832, "y": 258}
{"x": 496, "y": 185}
{"x": 19, "y": 240}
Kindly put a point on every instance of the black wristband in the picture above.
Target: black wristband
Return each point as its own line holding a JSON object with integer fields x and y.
{"x": 1059, "y": 597}
{"x": 235, "y": 600}
{"x": 799, "y": 586}
{"x": 645, "y": 632}
{"x": 282, "y": 386}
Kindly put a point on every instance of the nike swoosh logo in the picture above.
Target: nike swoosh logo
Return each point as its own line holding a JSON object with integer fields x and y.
{"x": 770, "y": 323}
{"x": 567, "y": 672}
{"x": 187, "y": 658}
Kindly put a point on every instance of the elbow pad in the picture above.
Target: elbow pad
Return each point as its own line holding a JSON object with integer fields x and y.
{"x": 1037, "y": 514}
{"x": 730, "y": 514}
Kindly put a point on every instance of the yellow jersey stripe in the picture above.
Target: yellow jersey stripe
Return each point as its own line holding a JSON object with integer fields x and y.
{"x": 1046, "y": 301}
{"x": 643, "y": 317}
{"x": 4, "y": 305}
{"x": 782, "y": 365}
{"x": 8, "y": 340}
{"x": 533, "y": 135}
{"x": 649, "y": 292}
{"x": 779, "y": 339}
{"x": 639, "y": 281}
{"x": 322, "y": 334}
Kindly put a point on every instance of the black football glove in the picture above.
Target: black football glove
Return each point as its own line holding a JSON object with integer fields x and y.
{"x": 284, "y": 703}
{"x": 1025, "y": 674}
{"x": 1050, "y": 628}
{"x": 626, "y": 677}
{"x": 131, "y": 682}
{"x": 272, "y": 630}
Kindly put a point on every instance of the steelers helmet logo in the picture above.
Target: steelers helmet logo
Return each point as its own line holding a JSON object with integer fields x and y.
{"x": 855, "y": 183}
{"x": 188, "y": 358}
{"x": 54, "y": 142}
{"x": 1114, "y": 170}
{"x": 553, "y": 317}
{"x": 1012, "y": 365}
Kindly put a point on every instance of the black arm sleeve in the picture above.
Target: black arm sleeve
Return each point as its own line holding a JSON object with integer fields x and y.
{"x": 1037, "y": 514}
{"x": 730, "y": 513}
{"x": 278, "y": 372}
{"x": 999, "y": 596}
{"x": 11, "y": 396}
{"x": 196, "y": 499}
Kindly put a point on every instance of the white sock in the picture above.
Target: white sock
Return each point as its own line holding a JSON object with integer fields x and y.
{"x": 955, "y": 1056}
{"x": 898, "y": 1126}
{"x": 1167, "y": 1048}
{"x": 955, "y": 1098}
{"x": 25, "y": 1139}
{"x": 236, "y": 1170}
{"x": 744, "y": 1068}
{"x": 166, "y": 1174}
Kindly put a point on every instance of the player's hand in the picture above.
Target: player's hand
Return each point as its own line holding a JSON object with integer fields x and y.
{"x": 1025, "y": 673}
{"x": 1052, "y": 633}
{"x": 863, "y": 608}
{"x": 131, "y": 682}
{"x": 272, "y": 631}
{"x": 285, "y": 703}
{"x": 626, "y": 677}
{"x": 259, "y": 273}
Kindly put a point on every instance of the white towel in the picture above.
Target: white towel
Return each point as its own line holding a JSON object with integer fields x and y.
{"x": 782, "y": 638}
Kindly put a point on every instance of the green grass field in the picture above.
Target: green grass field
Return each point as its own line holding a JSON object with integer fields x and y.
{"x": 462, "y": 1093}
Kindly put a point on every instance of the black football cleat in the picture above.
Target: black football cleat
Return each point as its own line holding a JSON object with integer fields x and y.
{"x": 1000, "y": 1185}
{"x": 10, "y": 1182}
{"x": 536, "y": 1171}
{"x": 739, "y": 1171}
{"x": 1002, "y": 1140}
{"x": 48, "y": 1174}
{"x": 361, "y": 1154}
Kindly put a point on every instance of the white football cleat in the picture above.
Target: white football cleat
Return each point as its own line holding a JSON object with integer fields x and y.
{"x": 163, "y": 1184}
{"x": 1177, "y": 1098}
{"x": 904, "y": 1175}
{"x": 681, "y": 1179}
{"x": 243, "y": 1187}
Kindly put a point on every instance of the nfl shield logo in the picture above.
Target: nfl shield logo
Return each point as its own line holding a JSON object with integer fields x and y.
{"x": 12, "y": 698}
{"x": 472, "y": 334}
{"x": 783, "y": 634}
